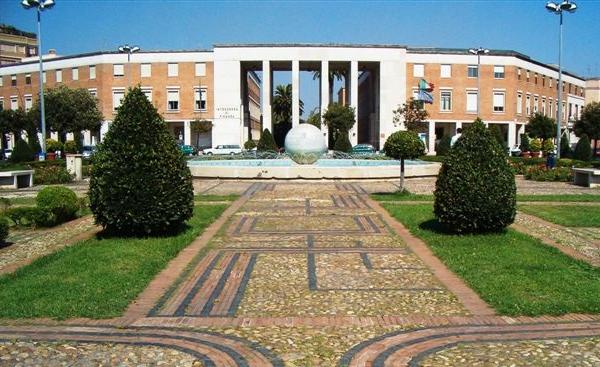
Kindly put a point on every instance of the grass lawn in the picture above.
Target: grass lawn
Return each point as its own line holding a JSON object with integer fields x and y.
{"x": 514, "y": 273}
{"x": 566, "y": 215}
{"x": 230, "y": 197}
{"x": 406, "y": 196}
{"x": 23, "y": 200}
{"x": 96, "y": 278}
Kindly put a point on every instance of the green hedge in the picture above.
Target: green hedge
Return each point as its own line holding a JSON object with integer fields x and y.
{"x": 558, "y": 174}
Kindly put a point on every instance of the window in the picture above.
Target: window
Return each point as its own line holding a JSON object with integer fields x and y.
{"x": 146, "y": 70}
{"x": 498, "y": 101}
{"x": 535, "y": 104}
{"x": 528, "y": 105}
{"x": 550, "y": 82}
{"x": 59, "y": 76}
{"x": 93, "y": 92}
{"x": 1, "y": 104}
{"x": 445, "y": 100}
{"x": 28, "y": 79}
{"x": 75, "y": 73}
{"x": 527, "y": 75}
{"x": 544, "y": 106}
{"x": 1, "y": 81}
{"x": 570, "y": 85}
{"x": 14, "y": 103}
{"x": 13, "y": 80}
{"x": 535, "y": 79}
{"x": 415, "y": 94}
{"x": 418, "y": 70}
{"x": 28, "y": 103}
{"x": 148, "y": 93}
{"x": 564, "y": 107}
{"x": 471, "y": 101}
{"x": 519, "y": 73}
{"x": 173, "y": 100}
{"x": 173, "y": 70}
{"x": 498, "y": 72}
{"x": 200, "y": 69}
{"x": 446, "y": 71}
{"x": 44, "y": 77}
{"x": 200, "y": 99}
{"x": 519, "y": 103}
{"x": 543, "y": 80}
{"x": 472, "y": 71}
{"x": 118, "y": 95}
{"x": 118, "y": 70}
{"x": 550, "y": 108}
{"x": 93, "y": 72}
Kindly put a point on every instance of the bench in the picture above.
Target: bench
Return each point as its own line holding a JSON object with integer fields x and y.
{"x": 587, "y": 177}
{"x": 16, "y": 179}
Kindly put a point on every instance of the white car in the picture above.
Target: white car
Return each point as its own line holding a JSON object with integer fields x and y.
{"x": 223, "y": 149}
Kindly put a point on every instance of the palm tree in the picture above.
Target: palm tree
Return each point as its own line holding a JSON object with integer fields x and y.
{"x": 339, "y": 74}
{"x": 282, "y": 104}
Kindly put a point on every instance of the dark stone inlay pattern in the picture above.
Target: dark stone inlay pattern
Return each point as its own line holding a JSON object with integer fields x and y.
{"x": 199, "y": 283}
{"x": 210, "y": 303}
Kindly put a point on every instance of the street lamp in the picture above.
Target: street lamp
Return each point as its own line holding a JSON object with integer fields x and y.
{"x": 479, "y": 51}
{"x": 558, "y": 8}
{"x": 128, "y": 50}
{"x": 40, "y": 6}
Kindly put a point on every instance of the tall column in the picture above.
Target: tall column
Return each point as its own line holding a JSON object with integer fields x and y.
{"x": 431, "y": 138}
{"x": 187, "y": 133}
{"x": 354, "y": 99}
{"x": 295, "y": 93}
{"x": 266, "y": 95}
{"x": 512, "y": 134}
{"x": 324, "y": 97}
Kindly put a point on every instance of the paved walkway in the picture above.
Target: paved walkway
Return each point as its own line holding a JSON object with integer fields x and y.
{"x": 315, "y": 274}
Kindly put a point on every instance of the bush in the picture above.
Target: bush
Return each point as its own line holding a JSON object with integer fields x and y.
{"x": 583, "y": 149}
{"x": 565, "y": 148}
{"x": 3, "y": 229}
{"x": 31, "y": 216}
{"x": 498, "y": 136}
{"x": 525, "y": 143}
{"x": 70, "y": 147}
{"x": 535, "y": 145}
{"x": 266, "y": 142}
{"x": 62, "y": 202}
{"x": 249, "y": 145}
{"x": 140, "y": 183}
{"x": 22, "y": 152}
{"x": 475, "y": 190}
{"x": 52, "y": 145}
{"x": 562, "y": 174}
{"x": 548, "y": 146}
{"x": 342, "y": 143}
{"x": 51, "y": 175}
{"x": 443, "y": 146}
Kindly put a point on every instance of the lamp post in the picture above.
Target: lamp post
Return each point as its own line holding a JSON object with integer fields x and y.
{"x": 478, "y": 51}
{"x": 40, "y": 6}
{"x": 128, "y": 50}
{"x": 558, "y": 8}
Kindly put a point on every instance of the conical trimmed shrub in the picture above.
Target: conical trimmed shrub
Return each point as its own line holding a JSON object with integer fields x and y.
{"x": 22, "y": 152}
{"x": 342, "y": 143}
{"x": 266, "y": 142}
{"x": 140, "y": 183}
{"x": 583, "y": 149}
{"x": 475, "y": 190}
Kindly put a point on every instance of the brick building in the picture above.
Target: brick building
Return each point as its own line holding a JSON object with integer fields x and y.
{"x": 15, "y": 45}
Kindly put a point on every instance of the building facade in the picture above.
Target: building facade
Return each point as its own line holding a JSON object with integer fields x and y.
{"x": 232, "y": 86}
{"x": 592, "y": 90}
{"x": 15, "y": 45}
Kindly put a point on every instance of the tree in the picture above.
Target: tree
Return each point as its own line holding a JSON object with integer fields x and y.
{"x": 413, "y": 114}
{"x": 498, "y": 135}
{"x": 342, "y": 144}
{"x": 583, "y": 151}
{"x": 140, "y": 183}
{"x": 334, "y": 74}
{"x": 589, "y": 124}
{"x": 339, "y": 119}
{"x": 282, "y": 112}
{"x": 315, "y": 118}
{"x": 540, "y": 126}
{"x": 201, "y": 127}
{"x": 69, "y": 111}
{"x": 404, "y": 145}
{"x": 475, "y": 189}
{"x": 266, "y": 143}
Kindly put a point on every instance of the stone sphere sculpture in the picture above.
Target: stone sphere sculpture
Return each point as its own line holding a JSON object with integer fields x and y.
{"x": 305, "y": 144}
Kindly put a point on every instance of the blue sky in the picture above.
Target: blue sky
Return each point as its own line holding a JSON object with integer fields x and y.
{"x": 525, "y": 26}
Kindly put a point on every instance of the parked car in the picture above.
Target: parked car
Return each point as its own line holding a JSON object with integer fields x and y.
{"x": 363, "y": 149}
{"x": 7, "y": 153}
{"x": 223, "y": 149}
{"x": 188, "y": 149}
{"x": 88, "y": 151}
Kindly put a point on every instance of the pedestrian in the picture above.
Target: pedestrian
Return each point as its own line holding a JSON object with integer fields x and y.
{"x": 455, "y": 137}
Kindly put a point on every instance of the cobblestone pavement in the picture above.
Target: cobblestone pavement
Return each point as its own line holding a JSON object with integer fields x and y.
{"x": 26, "y": 245}
{"x": 299, "y": 274}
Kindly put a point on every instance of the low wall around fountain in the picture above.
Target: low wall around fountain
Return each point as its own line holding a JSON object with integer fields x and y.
{"x": 313, "y": 172}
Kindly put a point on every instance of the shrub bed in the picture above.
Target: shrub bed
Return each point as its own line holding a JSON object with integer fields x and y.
{"x": 51, "y": 175}
{"x": 558, "y": 174}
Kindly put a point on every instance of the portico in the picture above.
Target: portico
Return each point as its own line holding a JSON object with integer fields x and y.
{"x": 374, "y": 113}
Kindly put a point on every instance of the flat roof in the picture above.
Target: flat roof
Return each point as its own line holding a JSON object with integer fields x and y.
{"x": 349, "y": 45}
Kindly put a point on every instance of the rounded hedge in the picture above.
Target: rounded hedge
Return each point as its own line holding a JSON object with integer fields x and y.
{"x": 62, "y": 202}
{"x": 3, "y": 229}
{"x": 404, "y": 145}
{"x": 140, "y": 183}
{"x": 475, "y": 190}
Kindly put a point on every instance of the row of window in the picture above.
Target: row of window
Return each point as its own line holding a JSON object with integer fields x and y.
{"x": 498, "y": 100}
{"x": 173, "y": 94}
{"x": 574, "y": 111}
{"x": 118, "y": 71}
{"x": 573, "y": 89}
{"x": 446, "y": 71}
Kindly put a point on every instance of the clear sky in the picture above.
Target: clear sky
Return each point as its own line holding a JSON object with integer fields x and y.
{"x": 524, "y": 26}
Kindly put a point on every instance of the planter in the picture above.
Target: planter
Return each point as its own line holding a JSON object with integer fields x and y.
{"x": 536, "y": 154}
{"x": 51, "y": 156}
{"x": 526, "y": 154}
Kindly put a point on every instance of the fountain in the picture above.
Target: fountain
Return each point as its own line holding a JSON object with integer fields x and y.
{"x": 306, "y": 157}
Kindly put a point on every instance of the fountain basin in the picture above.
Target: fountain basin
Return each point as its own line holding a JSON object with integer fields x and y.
{"x": 321, "y": 169}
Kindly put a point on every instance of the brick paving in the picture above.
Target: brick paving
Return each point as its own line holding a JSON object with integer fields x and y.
{"x": 316, "y": 274}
